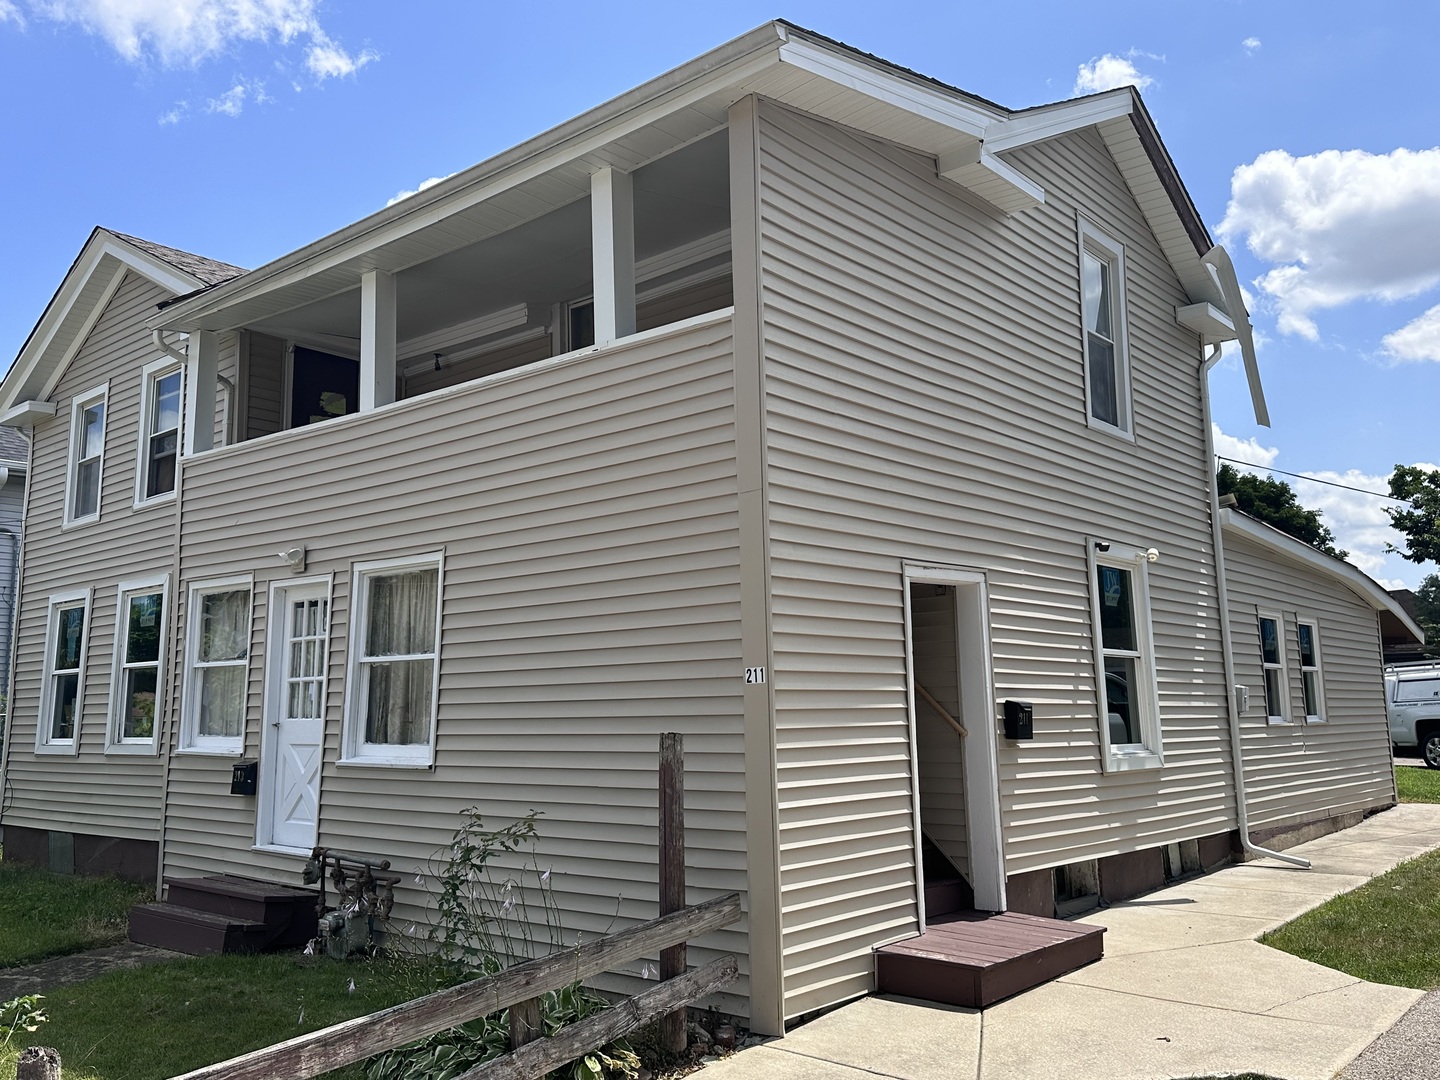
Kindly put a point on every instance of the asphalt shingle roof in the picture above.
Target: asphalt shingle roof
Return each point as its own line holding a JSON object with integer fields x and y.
{"x": 208, "y": 271}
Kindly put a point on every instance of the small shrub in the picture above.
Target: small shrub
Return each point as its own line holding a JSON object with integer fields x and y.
{"x": 20, "y": 1014}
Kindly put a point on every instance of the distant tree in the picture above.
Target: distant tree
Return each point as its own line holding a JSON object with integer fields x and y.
{"x": 1273, "y": 502}
{"x": 1427, "y": 610}
{"x": 1420, "y": 523}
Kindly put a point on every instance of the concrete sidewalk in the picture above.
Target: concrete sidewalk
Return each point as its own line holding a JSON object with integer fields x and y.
{"x": 1184, "y": 990}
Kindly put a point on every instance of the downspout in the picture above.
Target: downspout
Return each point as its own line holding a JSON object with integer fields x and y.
{"x": 1223, "y": 596}
{"x": 158, "y": 336}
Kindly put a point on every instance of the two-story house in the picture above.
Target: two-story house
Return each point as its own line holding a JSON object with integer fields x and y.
{"x": 793, "y": 401}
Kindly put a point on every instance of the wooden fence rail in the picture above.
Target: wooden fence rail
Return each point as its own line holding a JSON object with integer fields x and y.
{"x": 365, "y": 1036}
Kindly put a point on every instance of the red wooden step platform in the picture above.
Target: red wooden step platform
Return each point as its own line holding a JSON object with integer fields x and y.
{"x": 975, "y": 959}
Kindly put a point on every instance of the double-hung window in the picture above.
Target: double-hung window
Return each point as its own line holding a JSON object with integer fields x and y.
{"x": 1310, "y": 682}
{"x": 1125, "y": 657}
{"x": 135, "y": 680}
{"x": 394, "y": 662}
{"x": 217, "y": 666}
{"x": 1272, "y": 666}
{"x": 87, "y": 457}
{"x": 1102, "y": 307}
{"x": 62, "y": 695}
{"x": 160, "y": 409}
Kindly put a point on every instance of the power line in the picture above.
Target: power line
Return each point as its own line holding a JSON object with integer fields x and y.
{"x": 1312, "y": 479}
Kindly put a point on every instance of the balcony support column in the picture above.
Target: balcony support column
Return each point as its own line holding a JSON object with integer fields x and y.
{"x": 377, "y": 339}
{"x": 202, "y": 352}
{"x": 612, "y": 231}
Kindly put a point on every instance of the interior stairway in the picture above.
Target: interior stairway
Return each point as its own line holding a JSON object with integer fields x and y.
{"x": 976, "y": 958}
{"x": 225, "y": 914}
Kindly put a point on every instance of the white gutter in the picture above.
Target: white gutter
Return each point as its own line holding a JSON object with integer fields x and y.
{"x": 1226, "y": 646}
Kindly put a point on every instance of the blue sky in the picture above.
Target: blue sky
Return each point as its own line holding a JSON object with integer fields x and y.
{"x": 241, "y": 129}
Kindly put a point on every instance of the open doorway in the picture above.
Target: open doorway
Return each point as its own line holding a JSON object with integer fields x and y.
{"x": 953, "y": 736}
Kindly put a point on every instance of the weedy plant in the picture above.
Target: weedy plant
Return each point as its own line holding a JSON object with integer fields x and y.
{"x": 493, "y": 907}
{"x": 20, "y": 1014}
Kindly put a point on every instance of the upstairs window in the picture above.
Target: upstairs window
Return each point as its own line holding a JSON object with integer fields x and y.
{"x": 160, "y": 405}
{"x": 62, "y": 693}
{"x": 87, "y": 457}
{"x": 322, "y": 386}
{"x": 1102, "y": 306}
{"x": 1125, "y": 657}
{"x": 1272, "y": 665}
{"x": 135, "y": 681}
{"x": 1310, "y": 682}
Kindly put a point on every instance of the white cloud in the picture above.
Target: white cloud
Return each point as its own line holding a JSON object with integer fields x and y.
{"x": 1358, "y": 520}
{"x": 1228, "y": 446}
{"x": 1418, "y": 339}
{"x": 182, "y": 33}
{"x": 1106, "y": 73}
{"x": 1338, "y": 226}
{"x": 10, "y": 13}
{"x": 1250, "y": 44}
{"x": 230, "y": 103}
{"x": 327, "y": 60}
{"x": 419, "y": 188}
{"x": 176, "y": 114}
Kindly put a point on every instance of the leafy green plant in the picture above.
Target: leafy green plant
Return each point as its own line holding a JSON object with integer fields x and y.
{"x": 493, "y": 908}
{"x": 21, "y": 1014}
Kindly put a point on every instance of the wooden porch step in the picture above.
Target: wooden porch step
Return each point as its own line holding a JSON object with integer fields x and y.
{"x": 199, "y": 933}
{"x": 287, "y": 910}
{"x": 975, "y": 959}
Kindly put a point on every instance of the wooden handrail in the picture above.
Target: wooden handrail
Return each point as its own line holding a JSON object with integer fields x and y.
{"x": 944, "y": 713}
{"x": 355, "y": 1040}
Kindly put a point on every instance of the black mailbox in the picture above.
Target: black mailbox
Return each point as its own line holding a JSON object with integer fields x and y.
{"x": 1019, "y": 720}
{"x": 242, "y": 777}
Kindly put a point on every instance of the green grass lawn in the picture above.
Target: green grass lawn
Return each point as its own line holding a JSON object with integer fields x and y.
{"x": 44, "y": 914}
{"x": 159, "y": 1021}
{"x": 1387, "y": 930}
{"x": 1418, "y": 785}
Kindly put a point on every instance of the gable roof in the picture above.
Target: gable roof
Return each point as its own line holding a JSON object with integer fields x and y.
{"x": 1394, "y": 618}
{"x": 83, "y": 293}
{"x": 14, "y": 449}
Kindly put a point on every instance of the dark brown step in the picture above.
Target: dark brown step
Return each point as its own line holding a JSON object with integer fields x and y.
{"x": 199, "y": 933}
{"x": 975, "y": 959}
{"x": 289, "y": 912}
{"x": 945, "y": 897}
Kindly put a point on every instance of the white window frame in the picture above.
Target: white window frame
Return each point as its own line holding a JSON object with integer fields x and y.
{"x": 1149, "y": 753}
{"x": 44, "y": 743}
{"x": 1315, "y": 670}
{"x": 1282, "y": 675}
{"x": 152, "y": 374}
{"x": 354, "y": 749}
{"x": 115, "y": 740}
{"x": 1094, "y": 241}
{"x": 78, "y": 405}
{"x": 191, "y": 741}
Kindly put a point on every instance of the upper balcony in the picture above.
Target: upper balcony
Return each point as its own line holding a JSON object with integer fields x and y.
{"x": 542, "y": 268}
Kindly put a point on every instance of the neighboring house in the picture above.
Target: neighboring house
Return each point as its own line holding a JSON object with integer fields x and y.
{"x": 745, "y": 405}
{"x": 14, "y": 464}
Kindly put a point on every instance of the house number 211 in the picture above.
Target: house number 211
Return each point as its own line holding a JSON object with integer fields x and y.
{"x": 754, "y": 676}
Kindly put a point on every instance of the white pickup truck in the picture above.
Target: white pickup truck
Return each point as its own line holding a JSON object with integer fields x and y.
{"x": 1412, "y": 700}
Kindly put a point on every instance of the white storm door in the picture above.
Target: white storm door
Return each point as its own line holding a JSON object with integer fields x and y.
{"x": 295, "y": 701}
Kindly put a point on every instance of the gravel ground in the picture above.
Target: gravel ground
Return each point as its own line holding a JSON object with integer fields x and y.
{"x": 1408, "y": 1051}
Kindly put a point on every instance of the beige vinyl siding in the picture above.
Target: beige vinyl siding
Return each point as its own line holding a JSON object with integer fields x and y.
{"x": 587, "y": 511}
{"x": 264, "y": 376}
{"x": 925, "y": 401}
{"x": 96, "y": 793}
{"x": 12, "y": 515}
{"x": 1297, "y": 771}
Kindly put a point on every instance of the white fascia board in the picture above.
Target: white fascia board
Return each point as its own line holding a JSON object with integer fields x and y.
{"x": 27, "y": 414}
{"x": 733, "y": 64}
{"x": 853, "y": 74}
{"x": 978, "y": 170}
{"x": 1207, "y": 320}
{"x": 1049, "y": 121}
{"x": 1286, "y": 546}
{"x": 1218, "y": 259}
{"x": 509, "y": 318}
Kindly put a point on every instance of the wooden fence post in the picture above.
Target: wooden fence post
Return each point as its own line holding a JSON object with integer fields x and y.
{"x": 672, "y": 874}
{"x": 38, "y": 1063}
{"x": 526, "y": 1022}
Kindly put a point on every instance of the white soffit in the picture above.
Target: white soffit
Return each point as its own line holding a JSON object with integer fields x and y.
{"x": 1286, "y": 546}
